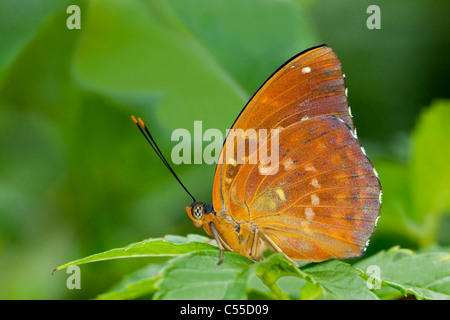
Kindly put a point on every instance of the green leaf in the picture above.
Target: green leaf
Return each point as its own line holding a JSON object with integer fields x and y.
{"x": 339, "y": 280}
{"x": 136, "y": 285}
{"x": 196, "y": 276}
{"x": 275, "y": 267}
{"x": 425, "y": 275}
{"x": 310, "y": 292}
{"x": 167, "y": 246}
{"x": 334, "y": 279}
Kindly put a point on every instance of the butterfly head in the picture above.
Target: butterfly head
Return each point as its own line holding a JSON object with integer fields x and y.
{"x": 197, "y": 212}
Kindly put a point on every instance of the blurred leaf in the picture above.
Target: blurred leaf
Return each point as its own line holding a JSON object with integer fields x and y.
{"x": 384, "y": 97}
{"x": 424, "y": 275}
{"x": 19, "y": 22}
{"x": 190, "y": 53}
{"x": 417, "y": 194}
{"x": 230, "y": 33}
{"x": 430, "y": 170}
{"x": 395, "y": 221}
{"x": 154, "y": 57}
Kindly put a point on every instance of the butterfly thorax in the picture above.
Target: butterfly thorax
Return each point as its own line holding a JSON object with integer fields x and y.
{"x": 236, "y": 236}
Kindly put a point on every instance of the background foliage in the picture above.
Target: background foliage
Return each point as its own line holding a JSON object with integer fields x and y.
{"x": 76, "y": 177}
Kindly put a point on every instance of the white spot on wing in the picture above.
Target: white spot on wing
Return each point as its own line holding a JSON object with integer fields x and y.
{"x": 306, "y": 70}
{"x": 376, "y": 220}
{"x": 364, "y": 151}
{"x": 375, "y": 172}
{"x": 315, "y": 183}
{"x": 288, "y": 164}
{"x": 232, "y": 161}
{"x": 315, "y": 199}
{"x": 309, "y": 213}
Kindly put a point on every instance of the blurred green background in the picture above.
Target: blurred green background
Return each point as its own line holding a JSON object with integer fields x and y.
{"x": 77, "y": 178}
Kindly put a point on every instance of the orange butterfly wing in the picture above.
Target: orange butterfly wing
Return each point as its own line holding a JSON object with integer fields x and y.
{"x": 323, "y": 199}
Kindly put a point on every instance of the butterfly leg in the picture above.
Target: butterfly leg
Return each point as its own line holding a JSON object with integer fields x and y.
{"x": 275, "y": 247}
{"x": 220, "y": 243}
{"x": 256, "y": 246}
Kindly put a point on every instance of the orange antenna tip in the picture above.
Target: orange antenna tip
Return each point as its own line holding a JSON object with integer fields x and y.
{"x": 141, "y": 122}
{"x": 134, "y": 119}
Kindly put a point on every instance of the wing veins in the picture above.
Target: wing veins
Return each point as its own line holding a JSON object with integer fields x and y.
{"x": 318, "y": 174}
{"x": 317, "y": 137}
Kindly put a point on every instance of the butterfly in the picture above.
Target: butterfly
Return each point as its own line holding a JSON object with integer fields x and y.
{"x": 322, "y": 200}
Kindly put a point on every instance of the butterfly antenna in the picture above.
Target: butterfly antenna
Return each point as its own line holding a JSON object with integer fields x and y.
{"x": 146, "y": 133}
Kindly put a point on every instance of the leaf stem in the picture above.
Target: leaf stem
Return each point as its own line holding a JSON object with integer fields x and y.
{"x": 276, "y": 291}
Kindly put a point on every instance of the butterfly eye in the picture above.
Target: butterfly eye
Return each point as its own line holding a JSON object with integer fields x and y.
{"x": 197, "y": 210}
